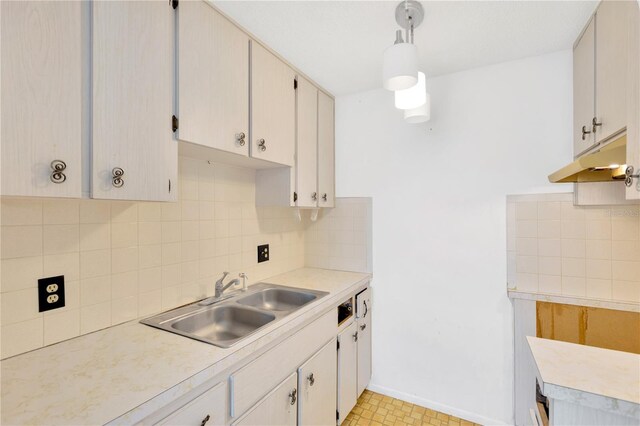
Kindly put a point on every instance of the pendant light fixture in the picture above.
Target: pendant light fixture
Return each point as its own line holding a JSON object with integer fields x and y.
{"x": 414, "y": 96}
{"x": 420, "y": 114}
{"x": 400, "y": 66}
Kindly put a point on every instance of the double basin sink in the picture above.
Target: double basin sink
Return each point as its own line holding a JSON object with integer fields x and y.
{"x": 233, "y": 318}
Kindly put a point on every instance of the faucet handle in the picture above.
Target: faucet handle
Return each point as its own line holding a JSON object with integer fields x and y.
{"x": 224, "y": 275}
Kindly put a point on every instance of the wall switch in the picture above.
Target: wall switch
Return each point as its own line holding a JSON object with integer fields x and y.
{"x": 263, "y": 253}
{"x": 50, "y": 293}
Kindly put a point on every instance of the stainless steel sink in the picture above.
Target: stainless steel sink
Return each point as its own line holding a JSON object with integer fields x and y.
{"x": 277, "y": 299}
{"x": 223, "y": 324}
{"x": 235, "y": 316}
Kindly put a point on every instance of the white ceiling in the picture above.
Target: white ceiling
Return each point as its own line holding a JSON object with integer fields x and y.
{"x": 340, "y": 44}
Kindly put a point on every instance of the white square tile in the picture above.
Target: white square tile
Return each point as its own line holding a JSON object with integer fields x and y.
{"x": 95, "y": 236}
{"x": 548, "y": 247}
{"x": 21, "y": 212}
{"x": 625, "y": 271}
{"x": 149, "y": 212}
{"x": 550, "y": 284}
{"x": 149, "y": 233}
{"x": 599, "y": 269}
{"x": 190, "y": 231}
{"x": 171, "y": 253}
{"x": 124, "y": 285}
{"x": 124, "y": 260}
{"x": 149, "y": 303}
{"x": 171, "y": 232}
{"x": 150, "y": 256}
{"x": 625, "y": 230}
{"x": 550, "y": 265}
{"x": 598, "y": 229}
{"x": 95, "y": 317}
{"x": 628, "y": 291}
{"x": 170, "y": 212}
{"x": 124, "y": 234}
{"x": 95, "y": 211}
{"x": 61, "y": 212}
{"x": 149, "y": 280}
{"x": 67, "y": 264}
{"x": 574, "y": 248}
{"x": 548, "y": 229}
{"x": 625, "y": 250}
{"x": 574, "y": 229}
{"x": 549, "y": 210}
{"x": 124, "y": 211}
{"x": 573, "y": 267}
{"x": 599, "y": 288}
{"x": 95, "y": 263}
{"x": 61, "y": 239}
{"x": 95, "y": 290}
{"x": 598, "y": 249}
{"x": 21, "y": 241}
{"x": 574, "y": 286}
{"x": 19, "y": 306}
{"x": 22, "y": 337}
{"x": 20, "y": 273}
{"x": 61, "y": 326}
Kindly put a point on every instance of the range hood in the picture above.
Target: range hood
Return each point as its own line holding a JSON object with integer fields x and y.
{"x": 604, "y": 165}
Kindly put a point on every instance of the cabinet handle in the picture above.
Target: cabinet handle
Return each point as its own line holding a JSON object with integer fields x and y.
{"x": 240, "y": 138}
{"x": 314, "y": 196}
{"x": 116, "y": 177}
{"x": 629, "y": 176}
{"x": 585, "y": 132}
{"x": 595, "y": 124}
{"x": 57, "y": 171}
{"x": 355, "y": 337}
{"x": 366, "y": 308}
{"x": 324, "y": 197}
{"x": 293, "y": 396}
{"x": 205, "y": 420}
{"x": 363, "y": 326}
{"x": 311, "y": 379}
{"x": 262, "y": 145}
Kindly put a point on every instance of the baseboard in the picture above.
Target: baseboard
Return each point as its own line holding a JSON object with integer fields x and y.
{"x": 472, "y": 417}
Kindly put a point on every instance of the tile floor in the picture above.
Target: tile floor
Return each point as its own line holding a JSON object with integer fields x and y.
{"x": 378, "y": 410}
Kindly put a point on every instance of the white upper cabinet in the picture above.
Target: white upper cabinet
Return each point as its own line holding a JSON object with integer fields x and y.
{"x": 584, "y": 90}
{"x": 307, "y": 144}
{"x": 134, "y": 150}
{"x": 633, "y": 101}
{"x": 611, "y": 68}
{"x": 273, "y": 107}
{"x": 213, "y": 79}
{"x": 41, "y": 100}
{"x": 326, "y": 151}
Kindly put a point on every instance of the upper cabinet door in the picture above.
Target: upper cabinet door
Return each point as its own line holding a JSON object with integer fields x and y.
{"x": 584, "y": 90}
{"x": 133, "y": 85}
{"x": 273, "y": 107}
{"x": 633, "y": 101}
{"x": 307, "y": 144}
{"x": 317, "y": 387}
{"x": 213, "y": 79}
{"x": 326, "y": 151}
{"x": 611, "y": 67}
{"x": 41, "y": 98}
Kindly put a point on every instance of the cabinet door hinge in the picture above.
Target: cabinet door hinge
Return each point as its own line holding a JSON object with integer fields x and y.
{"x": 174, "y": 4}
{"x": 169, "y": 185}
{"x": 174, "y": 123}
{"x": 338, "y": 345}
{"x": 337, "y": 415}
{"x": 295, "y": 197}
{"x": 295, "y": 83}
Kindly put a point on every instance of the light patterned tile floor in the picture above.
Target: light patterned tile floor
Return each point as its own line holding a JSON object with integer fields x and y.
{"x": 374, "y": 409}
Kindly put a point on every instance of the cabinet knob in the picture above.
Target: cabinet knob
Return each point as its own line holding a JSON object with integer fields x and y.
{"x": 311, "y": 379}
{"x": 262, "y": 145}
{"x": 116, "y": 177}
{"x": 585, "y": 132}
{"x": 240, "y": 138}
{"x": 293, "y": 396}
{"x": 205, "y": 420}
{"x": 363, "y": 326}
{"x": 314, "y": 196}
{"x": 355, "y": 337}
{"x": 324, "y": 197}
{"x": 595, "y": 124}
{"x": 57, "y": 171}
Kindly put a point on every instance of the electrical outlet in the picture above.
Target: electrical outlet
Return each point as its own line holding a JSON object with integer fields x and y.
{"x": 50, "y": 293}
{"x": 263, "y": 253}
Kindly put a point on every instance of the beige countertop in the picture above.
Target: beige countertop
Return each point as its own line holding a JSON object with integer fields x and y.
{"x": 600, "y": 378}
{"x": 133, "y": 368}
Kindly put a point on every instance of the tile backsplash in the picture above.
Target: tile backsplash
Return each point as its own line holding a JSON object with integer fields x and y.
{"x": 126, "y": 260}
{"x": 341, "y": 237}
{"x": 554, "y": 247}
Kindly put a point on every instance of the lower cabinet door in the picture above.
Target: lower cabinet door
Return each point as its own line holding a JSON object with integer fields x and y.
{"x": 363, "y": 312}
{"x": 347, "y": 370}
{"x": 317, "y": 387}
{"x": 279, "y": 407}
{"x": 207, "y": 409}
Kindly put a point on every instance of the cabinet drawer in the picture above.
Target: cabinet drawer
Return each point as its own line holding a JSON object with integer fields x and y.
{"x": 210, "y": 406}
{"x": 254, "y": 380}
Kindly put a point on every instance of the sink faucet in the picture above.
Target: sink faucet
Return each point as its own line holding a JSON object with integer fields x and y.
{"x": 221, "y": 287}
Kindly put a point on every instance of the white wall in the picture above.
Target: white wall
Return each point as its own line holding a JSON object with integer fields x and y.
{"x": 443, "y": 322}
